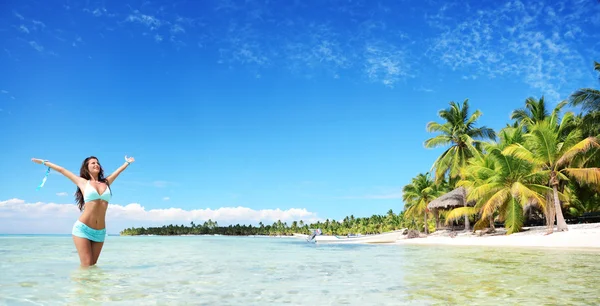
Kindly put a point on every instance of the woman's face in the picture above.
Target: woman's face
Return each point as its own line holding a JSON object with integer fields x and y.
{"x": 93, "y": 166}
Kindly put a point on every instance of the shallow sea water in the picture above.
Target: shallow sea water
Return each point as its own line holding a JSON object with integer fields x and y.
{"x": 194, "y": 270}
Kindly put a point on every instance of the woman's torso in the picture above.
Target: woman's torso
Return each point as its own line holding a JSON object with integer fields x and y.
{"x": 94, "y": 211}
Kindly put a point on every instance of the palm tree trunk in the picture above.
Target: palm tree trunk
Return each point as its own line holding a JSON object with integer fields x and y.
{"x": 467, "y": 224}
{"x": 425, "y": 227}
{"x": 550, "y": 215}
{"x": 437, "y": 219}
{"x": 492, "y": 226}
{"x": 561, "y": 225}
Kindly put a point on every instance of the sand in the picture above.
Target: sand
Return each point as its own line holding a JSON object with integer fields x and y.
{"x": 585, "y": 236}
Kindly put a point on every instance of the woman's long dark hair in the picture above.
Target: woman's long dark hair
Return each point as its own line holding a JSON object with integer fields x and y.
{"x": 84, "y": 173}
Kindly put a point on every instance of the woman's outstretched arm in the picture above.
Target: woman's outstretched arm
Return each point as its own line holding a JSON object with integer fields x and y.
{"x": 70, "y": 175}
{"x": 111, "y": 178}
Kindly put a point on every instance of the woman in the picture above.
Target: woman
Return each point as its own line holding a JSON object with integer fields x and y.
{"x": 93, "y": 194}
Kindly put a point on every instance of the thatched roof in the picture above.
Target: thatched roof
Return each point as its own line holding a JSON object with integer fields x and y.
{"x": 454, "y": 198}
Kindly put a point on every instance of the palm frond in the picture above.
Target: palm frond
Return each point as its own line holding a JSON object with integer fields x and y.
{"x": 543, "y": 143}
{"x": 497, "y": 200}
{"x": 436, "y": 127}
{"x": 525, "y": 195}
{"x": 590, "y": 176}
{"x": 581, "y": 147}
{"x": 457, "y": 213}
{"x": 438, "y": 141}
{"x": 519, "y": 151}
{"x": 514, "y": 217}
{"x": 587, "y": 98}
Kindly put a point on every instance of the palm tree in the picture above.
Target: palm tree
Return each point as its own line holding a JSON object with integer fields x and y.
{"x": 587, "y": 98}
{"x": 464, "y": 139}
{"x": 417, "y": 195}
{"x": 501, "y": 183}
{"x": 553, "y": 154}
{"x": 535, "y": 111}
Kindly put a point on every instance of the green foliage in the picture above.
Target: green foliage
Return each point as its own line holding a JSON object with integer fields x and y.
{"x": 349, "y": 225}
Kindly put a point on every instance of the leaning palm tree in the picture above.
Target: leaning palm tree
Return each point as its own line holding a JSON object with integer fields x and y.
{"x": 502, "y": 184}
{"x": 463, "y": 139}
{"x": 417, "y": 195}
{"x": 553, "y": 155}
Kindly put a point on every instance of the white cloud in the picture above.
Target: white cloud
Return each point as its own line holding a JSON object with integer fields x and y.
{"x": 166, "y": 198}
{"x": 385, "y": 63}
{"x": 62, "y": 194}
{"x": 149, "y": 21}
{"x": 18, "y": 216}
{"x": 24, "y": 29}
{"x": 36, "y": 46}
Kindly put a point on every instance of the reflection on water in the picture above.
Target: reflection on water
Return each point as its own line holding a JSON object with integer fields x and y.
{"x": 256, "y": 271}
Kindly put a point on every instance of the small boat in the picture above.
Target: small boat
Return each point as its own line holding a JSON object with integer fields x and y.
{"x": 389, "y": 237}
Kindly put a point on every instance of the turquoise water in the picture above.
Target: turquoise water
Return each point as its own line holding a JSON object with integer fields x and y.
{"x": 44, "y": 270}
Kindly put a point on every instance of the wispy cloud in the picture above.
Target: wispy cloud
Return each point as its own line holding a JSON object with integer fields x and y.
{"x": 511, "y": 39}
{"x": 36, "y": 46}
{"x": 23, "y": 29}
{"x": 19, "y": 16}
{"x": 166, "y": 198}
{"x": 17, "y": 215}
{"x": 540, "y": 43}
{"x": 385, "y": 63}
{"x": 62, "y": 194}
{"x": 149, "y": 21}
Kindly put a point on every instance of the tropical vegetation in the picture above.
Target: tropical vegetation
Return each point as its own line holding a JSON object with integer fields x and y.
{"x": 545, "y": 164}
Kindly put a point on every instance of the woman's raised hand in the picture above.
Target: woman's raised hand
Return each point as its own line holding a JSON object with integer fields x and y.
{"x": 37, "y": 160}
{"x": 129, "y": 159}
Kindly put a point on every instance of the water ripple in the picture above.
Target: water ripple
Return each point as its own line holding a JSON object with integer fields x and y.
{"x": 251, "y": 271}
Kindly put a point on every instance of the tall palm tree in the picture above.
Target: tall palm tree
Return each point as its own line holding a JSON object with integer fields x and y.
{"x": 553, "y": 154}
{"x": 463, "y": 138}
{"x": 460, "y": 133}
{"x": 418, "y": 194}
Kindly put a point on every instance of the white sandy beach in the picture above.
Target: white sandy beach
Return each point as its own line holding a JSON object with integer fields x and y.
{"x": 579, "y": 236}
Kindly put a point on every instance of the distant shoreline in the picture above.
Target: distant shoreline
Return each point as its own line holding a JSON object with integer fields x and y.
{"x": 579, "y": 236}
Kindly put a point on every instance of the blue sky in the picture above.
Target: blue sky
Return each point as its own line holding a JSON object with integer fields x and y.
{"x": 247, "y": 111}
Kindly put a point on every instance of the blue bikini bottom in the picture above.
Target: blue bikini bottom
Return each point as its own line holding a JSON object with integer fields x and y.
{"x": 84, "y": 231}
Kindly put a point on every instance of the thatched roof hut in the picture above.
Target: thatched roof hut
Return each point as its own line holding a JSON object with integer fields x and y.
{"x": 452, "y": 199}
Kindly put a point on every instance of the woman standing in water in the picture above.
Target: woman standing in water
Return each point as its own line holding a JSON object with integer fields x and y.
{"x": 93, "y": 194}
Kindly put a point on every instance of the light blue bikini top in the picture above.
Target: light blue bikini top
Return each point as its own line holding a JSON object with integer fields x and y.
{"x": 90, "y": 193}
